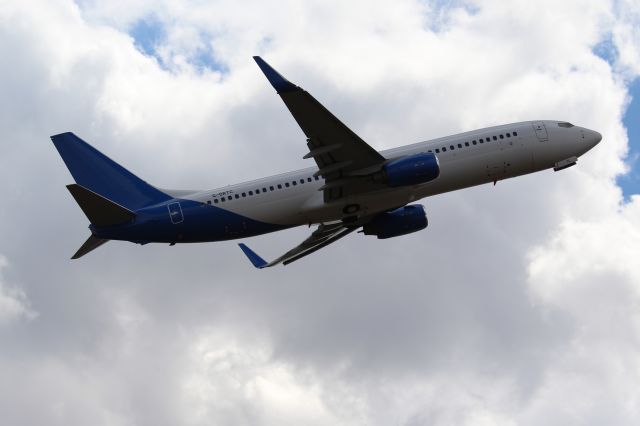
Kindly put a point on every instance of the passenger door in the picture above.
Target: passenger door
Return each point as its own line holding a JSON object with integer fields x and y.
{"x": 541, "y": 131}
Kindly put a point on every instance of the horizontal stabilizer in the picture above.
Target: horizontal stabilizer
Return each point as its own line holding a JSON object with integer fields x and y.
{"x": 92, "y": 243}
{"x": 99, "y": 210}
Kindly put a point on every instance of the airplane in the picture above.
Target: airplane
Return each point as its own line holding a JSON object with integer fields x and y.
{"x": 352, "y": 186}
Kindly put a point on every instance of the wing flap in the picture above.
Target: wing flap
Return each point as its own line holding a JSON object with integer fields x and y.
{"x": 312, "y": 249}
{"x": 323, "y": 129}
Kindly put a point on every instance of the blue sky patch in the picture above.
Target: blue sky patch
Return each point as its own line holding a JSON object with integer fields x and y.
{"x": 205, "y": 58}
{"x": 606, "y": 50}
{"x": 630, "y": 183}
{"x": 148, "y": 34}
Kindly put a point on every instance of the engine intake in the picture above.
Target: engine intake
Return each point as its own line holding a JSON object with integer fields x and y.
{"x": 410, "y": 170}
{"x": 402, "y": 221}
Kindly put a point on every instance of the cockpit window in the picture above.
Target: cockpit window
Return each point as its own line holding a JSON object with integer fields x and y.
{"x": 565, "y": 124}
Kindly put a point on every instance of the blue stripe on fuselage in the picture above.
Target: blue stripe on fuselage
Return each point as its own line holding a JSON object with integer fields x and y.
{"x": 200, "y": 223}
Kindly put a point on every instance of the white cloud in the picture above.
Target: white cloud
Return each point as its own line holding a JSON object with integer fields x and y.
{"x": 626, "y": 37}
{"x": 588, "y": 272}
{"x": 516, "y": 306}
{"x": 14, "y": 305}
{"x": 231, "y": 382}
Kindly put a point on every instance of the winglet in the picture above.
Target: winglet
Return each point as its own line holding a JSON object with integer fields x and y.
{"x": 278, "y": 82}
{"x": 257, "y": 261}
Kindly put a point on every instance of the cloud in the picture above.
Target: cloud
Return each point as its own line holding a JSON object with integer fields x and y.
{"x": 626, "y": 37}
{"x": 587, "y": 273}
{"x": 516, "y": 306}
{"x": 14, "y": 304}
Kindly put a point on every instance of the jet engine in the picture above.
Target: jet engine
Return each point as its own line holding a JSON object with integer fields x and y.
{"x": 402, "y": 221}
{"x": 410, "y": 170}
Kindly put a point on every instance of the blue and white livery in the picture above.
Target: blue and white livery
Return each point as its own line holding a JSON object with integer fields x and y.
{"x": 352, "y": 186}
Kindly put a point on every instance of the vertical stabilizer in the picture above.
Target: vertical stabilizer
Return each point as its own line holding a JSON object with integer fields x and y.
{"x": 95, "y": 171}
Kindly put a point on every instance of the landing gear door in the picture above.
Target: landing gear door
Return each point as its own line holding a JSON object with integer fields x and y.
{"x": 541, "y": 131}
{"x": 175, "y": 213}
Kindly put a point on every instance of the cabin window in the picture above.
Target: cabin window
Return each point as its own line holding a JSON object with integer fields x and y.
{"x": 459, "y": 145}
{"x": 508, "y": 135}
{"x": 244, "y": 194}
{"x": 309, "y": 179}
{"x": 515, "y": 133}
{"x": 250, "y": 192}
{"x": 451, "y": 147}
{"x": 301, "y": 181}
{"x": 215, "y": 201}
{"x": 474, "y": 142}
{"x": 286, "y": 184}
{"x": 271, "y": 188}
{"x": 481, "y": 140}
{"x": 229, "y": 198}
{"x": 317, "y": 177}
{"x": 444, "y": 149}
{"x": 208, "y": 201}
{"x": 466, "y": 144}
{"x": 279, "y": 186}
{"x": 495, "y": 138}
{"x": 237, "y": 196}
{"x": 437, "y": 151}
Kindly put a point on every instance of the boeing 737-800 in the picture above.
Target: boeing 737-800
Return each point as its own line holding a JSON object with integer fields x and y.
{"x": 352, "y": 185}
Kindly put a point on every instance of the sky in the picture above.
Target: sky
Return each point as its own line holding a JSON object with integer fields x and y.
{"x": 517, "y": 305}
{"x": 630, "y": 181}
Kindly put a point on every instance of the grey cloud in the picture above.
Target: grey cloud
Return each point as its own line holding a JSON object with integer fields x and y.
{"x": 477, "y": 319}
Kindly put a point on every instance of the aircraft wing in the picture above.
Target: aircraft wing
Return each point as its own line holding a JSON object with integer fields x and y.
{"x": 343, "y": 158}
{"x": 324, "y": 235}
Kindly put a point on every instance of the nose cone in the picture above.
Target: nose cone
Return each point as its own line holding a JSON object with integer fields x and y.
{"x": 592, "y": 138}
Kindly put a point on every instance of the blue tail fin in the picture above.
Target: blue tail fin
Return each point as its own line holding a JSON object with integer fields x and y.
{"x": 97, "y": 172}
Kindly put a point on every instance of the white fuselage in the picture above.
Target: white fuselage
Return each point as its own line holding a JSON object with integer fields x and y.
{"x": 505, "y": 151}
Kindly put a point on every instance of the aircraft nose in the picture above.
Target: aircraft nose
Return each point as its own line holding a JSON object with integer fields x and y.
{"x": 591, "y": 138}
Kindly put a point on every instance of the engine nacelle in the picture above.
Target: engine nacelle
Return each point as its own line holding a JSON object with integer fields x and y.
{"x": 402, "y": 221}
{"x": 411, "y": 170}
